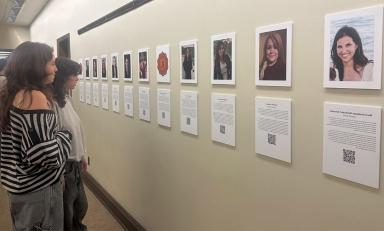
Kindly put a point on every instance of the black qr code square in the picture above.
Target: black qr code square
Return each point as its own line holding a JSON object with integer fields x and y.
{"x": 128, "y": 106}
{"x": 349, "y": 156}
{"x": 188, "y": 121}
{"x": 222, "y": 129}
{"x": 144, "y": 112}
{"x": 163, "y": 115}
{"x": 271, "y": 139}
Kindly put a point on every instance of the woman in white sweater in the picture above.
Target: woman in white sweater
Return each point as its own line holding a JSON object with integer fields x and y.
{"x": 75, "y": 201}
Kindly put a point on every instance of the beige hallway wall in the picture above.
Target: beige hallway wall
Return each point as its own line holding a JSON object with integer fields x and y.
{"x": 172, "y": 181}
{"x": 12, "y": 36}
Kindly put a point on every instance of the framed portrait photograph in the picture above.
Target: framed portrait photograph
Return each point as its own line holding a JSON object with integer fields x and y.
{"x": 127, "y": 64}
{"x": 188, "y": 61}
{"x": 87, "y": 76}
{"x": 142, "y": 65}
{"x": 273, "y": 55}
{"x": 223, "y": 59}
{"x": 114, "y": 66}
{"x": 353, "y": 48}
{"x": 80, "y": 62}
{"x": 94, "y": 67}
{"x": 163, "y": 64}
{"x": 104, "y": 64}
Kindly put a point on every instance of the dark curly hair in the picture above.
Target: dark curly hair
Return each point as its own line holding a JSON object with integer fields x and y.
{"x": 65, "y": 68}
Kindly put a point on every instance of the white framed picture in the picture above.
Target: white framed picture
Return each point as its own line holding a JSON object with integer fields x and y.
{"x": 80, "y": 62}
{"x": 223, "y": 59}
{"x": 273, "y": 55}
{"x": 127, "y": 64}
{"x": 87, "y": 74}
{"x": 104, "y": 65}
{"x": 94, "y": 67}
{"x": 188, "y": 61}
{"x": 142, "y": 65}
{"x": 114, "y": 66}
{"x": 353, "y": 48}
{"x": 163, "y": 64}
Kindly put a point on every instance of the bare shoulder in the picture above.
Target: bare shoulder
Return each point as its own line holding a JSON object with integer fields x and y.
{"x": 31, "y": 100}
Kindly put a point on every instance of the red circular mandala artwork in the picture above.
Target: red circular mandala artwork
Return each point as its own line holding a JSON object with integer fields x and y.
{"x": 162, "y": 63}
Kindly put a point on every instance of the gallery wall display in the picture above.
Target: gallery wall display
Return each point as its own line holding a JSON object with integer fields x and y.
{"x": 164, "y": 107}
{"x": 144, "y": 106}
{"x": 128, "y": 101}
{"x": 127, "y": 64}
{"x": 273, "y": 55}
{"x": 142, "y": 65}
{"x": 353, "y": 48}
{"x": 96, "y": 94}
{"x": 273, "y": 127}
{"x": 81, "y": 88}
{"x": 87, "y": 74}
{"x": 104, "y": 65}
{"x": 114, "y": 66}
{"x": 104, "y": 96}
{"x": 163, "y": 64}
{"x": 115, "y": 98}
{"x": 88, "y": 89}
{"x": 223, "y": 118}
{"x": 223, "y": 59}
{"x": 188, "y": 112}
{"x": 351, "y": 143}
{"x": 80, "y": 62}
{"x": 94, "y": 67}
{"x": 188, "y": 61}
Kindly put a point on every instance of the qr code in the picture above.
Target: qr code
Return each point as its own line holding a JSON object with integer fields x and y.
{"x": 128, "y": 106}
{"x": 188, "y": 121}
{"x": 349, "y": 156}
{"x": 163, "y": 115}
{"x": 144, "y": 112}
{"x": 271, "y": 139}
{"x": 222, "y": 129}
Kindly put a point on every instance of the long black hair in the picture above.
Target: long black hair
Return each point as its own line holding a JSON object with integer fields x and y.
{"x": 359, "y": 59}
{"x": 65, "y": 69}
{"x": 25, "y": 70}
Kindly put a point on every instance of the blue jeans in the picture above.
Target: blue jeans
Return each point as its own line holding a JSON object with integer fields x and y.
{"x": 38, "y": 211}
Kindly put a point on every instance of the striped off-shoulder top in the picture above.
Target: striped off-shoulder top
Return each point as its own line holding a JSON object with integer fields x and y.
{"x": 33, "y": 151}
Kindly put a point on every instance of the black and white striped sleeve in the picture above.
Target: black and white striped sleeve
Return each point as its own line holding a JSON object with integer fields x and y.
{"x": 43, "y": 146}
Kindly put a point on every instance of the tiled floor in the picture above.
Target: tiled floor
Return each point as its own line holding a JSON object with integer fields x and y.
{"x": 97, "y": 218}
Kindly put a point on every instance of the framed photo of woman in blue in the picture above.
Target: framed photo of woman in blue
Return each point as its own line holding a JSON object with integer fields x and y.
{"x": 353, "y": 48}
{"x": 273, "y": 55}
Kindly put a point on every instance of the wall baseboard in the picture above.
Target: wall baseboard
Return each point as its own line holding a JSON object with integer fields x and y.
{"x": 118, "y": 212}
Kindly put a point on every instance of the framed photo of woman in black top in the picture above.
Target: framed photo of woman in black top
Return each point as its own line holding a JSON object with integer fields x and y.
{"x": 127, "y": 64}
{"x": 143, "y": 65}
{"x": 104, "y": 67}
{"x": 94, "y": 67}
{"x": 223, "y": 59}
{"x": 114, "y": 66}
{"x": 273, "y": 55}
{"x": 188, "y": 61}
{"x": 87, "y": 76}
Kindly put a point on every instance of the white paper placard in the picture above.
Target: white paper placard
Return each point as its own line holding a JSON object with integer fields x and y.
{"x": 104, "y": 96}
{"x": 96, "y": 94}
{"x": 188, "y": 112}
{"x": 351, "y": 143}
{"x": 163, "y": 64}
{"x": 144, "y": 110}
{"x": 223, "y": 118}
{"x": 82, "y": 92}
{"x": 164, "y": 107}
{"x": 273, "y": 127}
{"x": 88, "y": 90}
{"x": 115, "y": 98}
{"x": 128, "y": 100}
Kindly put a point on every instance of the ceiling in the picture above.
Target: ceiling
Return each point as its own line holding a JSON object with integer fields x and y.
{"x": 27, "y": 14}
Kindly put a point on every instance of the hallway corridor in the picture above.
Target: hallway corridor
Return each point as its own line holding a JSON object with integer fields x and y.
{"x": 97, "y": 219}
